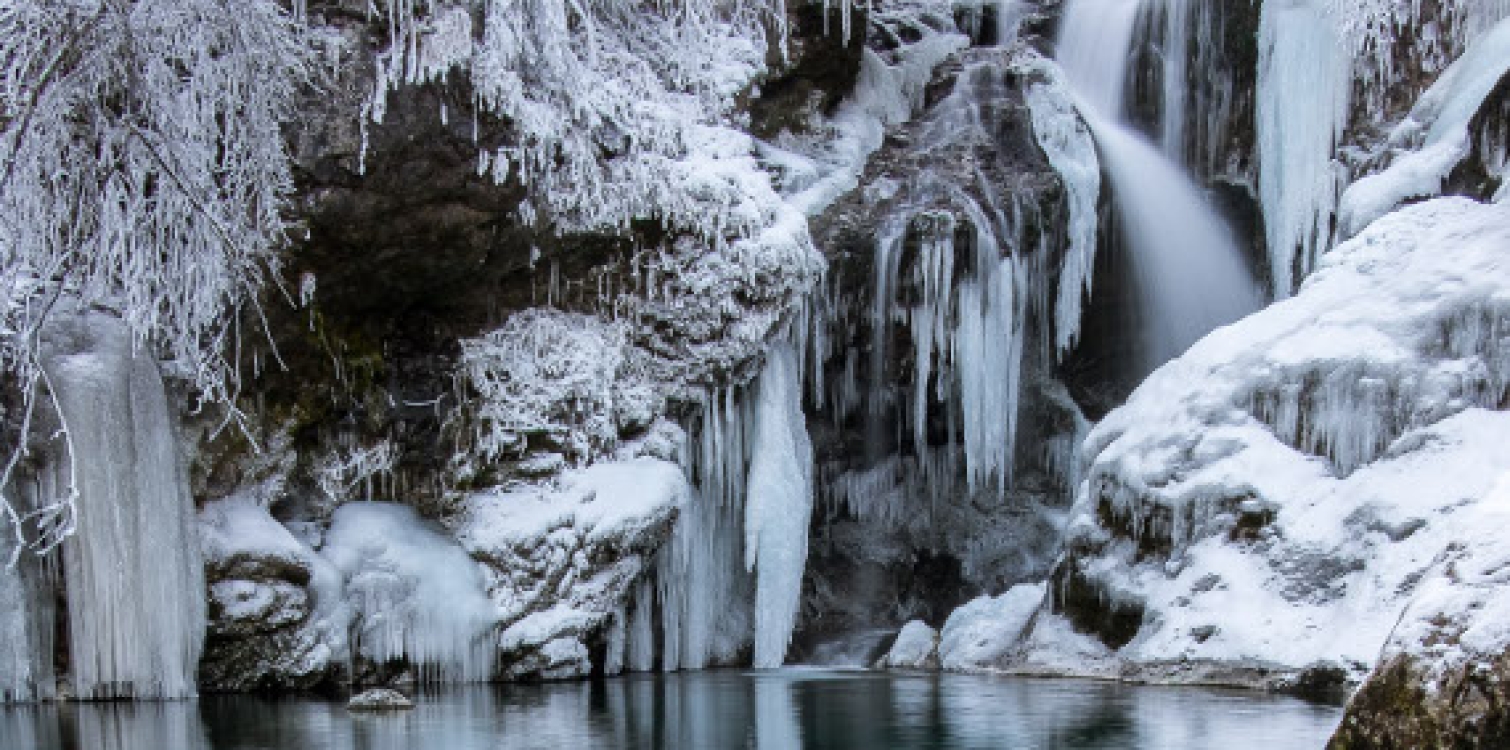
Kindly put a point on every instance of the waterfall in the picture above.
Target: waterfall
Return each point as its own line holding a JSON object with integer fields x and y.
{"x": 135, "y": 580}
{"x": 1190, "y": 275}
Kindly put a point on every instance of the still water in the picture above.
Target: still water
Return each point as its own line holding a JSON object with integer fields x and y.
{"x": 790, "y": 708}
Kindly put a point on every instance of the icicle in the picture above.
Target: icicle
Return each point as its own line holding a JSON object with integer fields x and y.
{"x": 1072, "y": 153}
{"x": 779, "y": 505}
{"x": 1304, "y": 92}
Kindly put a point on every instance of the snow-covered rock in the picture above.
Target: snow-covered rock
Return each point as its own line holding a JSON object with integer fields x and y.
{"x": 1270, "y": 503}
{"x": 1435, "y": 137}
{"x": 916, "y": 647}
{"x": 1442, "y": 678}
{"x": 560, "y": 560}
{"x": 276, "y": 614}
{"x": 978, "y": 634}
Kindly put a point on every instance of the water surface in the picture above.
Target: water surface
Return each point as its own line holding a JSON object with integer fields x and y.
{"x": 789, "y": 708}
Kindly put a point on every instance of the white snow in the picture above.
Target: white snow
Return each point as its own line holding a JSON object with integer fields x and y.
{"x": 606, "y": 500}
{"x": 414, "y": 592}
{"x": 1461, "y": 612}
{"x": 981, "y": 632}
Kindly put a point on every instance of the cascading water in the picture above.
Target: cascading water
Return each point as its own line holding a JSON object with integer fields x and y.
{"x": 1190, "y": 275}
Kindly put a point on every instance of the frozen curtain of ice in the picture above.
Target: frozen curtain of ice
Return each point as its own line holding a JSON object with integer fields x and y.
{"x": 135, "y": 608}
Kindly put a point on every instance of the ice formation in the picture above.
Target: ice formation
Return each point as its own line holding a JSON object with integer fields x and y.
{"x": 1072, "y": 152}
{"x": 778, "y": 504}
{"x": 414, "y": 593}
{"x": 1317, "y": 59}
{"x": 25, "y": 630}
{"x": 1434, "y": 138}
{"x": 136, "y": 609}
{"x": 732, "y": 573}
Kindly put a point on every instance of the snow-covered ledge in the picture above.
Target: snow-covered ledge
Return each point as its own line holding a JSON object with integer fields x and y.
{"x": 1264, "y": 509}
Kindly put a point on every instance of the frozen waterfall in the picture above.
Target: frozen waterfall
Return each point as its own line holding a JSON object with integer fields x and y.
{"x": 778, "y": 505}
{"x": 135, "y": 579}
{"x": 1190, "y": 275}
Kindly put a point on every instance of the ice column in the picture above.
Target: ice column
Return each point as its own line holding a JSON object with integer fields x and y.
{"x": 778, "y": 504}
{"x": 136, "y": 601}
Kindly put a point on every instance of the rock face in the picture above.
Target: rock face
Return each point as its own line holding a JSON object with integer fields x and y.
{"x": 963, "y": 186}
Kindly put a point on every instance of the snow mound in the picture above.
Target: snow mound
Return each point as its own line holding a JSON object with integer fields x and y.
{"x": 415, "y": 594}
{"x": 979, "y": 633}
{"x": 916, "y": 647}
{"x": 1276, "y": 497}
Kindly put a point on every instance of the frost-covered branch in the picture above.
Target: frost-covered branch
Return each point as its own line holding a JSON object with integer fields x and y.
{"x": 562, "y": 376}
{"x": 145, "y": 170}
{"x": 609, "y": 99}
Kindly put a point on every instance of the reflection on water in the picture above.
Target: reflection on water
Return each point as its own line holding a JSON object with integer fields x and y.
{"x": 789, "y": 708}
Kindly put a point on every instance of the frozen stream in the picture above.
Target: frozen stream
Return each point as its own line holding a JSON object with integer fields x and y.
{"x": 788, "y": 708}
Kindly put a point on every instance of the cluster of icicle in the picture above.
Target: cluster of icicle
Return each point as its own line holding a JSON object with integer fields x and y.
{"x": 731, "y": 576}
{"x": 1320, "y": 62}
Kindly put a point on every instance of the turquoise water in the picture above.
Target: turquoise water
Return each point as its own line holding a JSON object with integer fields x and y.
{"x": 789, "y": 708}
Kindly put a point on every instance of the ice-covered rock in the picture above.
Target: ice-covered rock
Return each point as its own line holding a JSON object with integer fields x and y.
{"x": 978, "y": 634}
{"x": 916, "y": 647}
{"x": 560, "y": 560}
{"x": 1435, "y": 137}
{"x": 379, "y": 699}
{"x": 276, "y": 614}
{"x": 1274, "y": 499}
